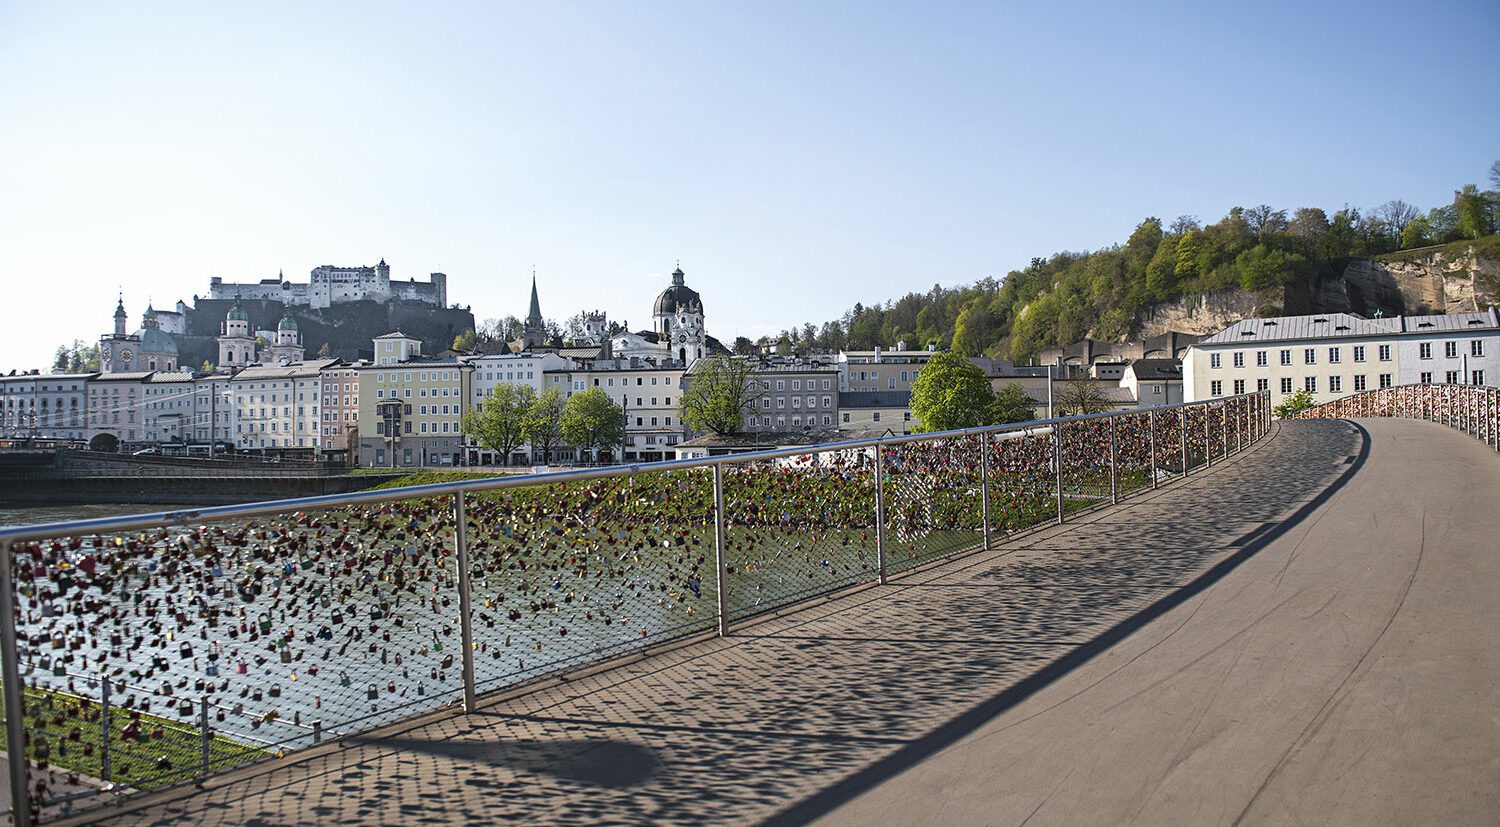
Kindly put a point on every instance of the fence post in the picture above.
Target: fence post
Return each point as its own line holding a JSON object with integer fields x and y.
{"x": 1151, "y": 430}
{"x": 15, "y": 715}
{"x": 1224, "y": 431}
{"x": 1057, "y": 430}
{"x": 204, "y": 735}
{"x": 1182, "y": 420}
{"x": 465, "y": 618}
{"x": 104, "y": 727}
{"x": 984, "y": 486}
{"x": 1208, "y": 435}
{"x": 880, "y": 512}
{"x": 1114, "y": 465}
{"x": 720, "y": 544}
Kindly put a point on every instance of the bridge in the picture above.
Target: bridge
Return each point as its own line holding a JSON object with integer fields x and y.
{"x": 1297, "y": 630}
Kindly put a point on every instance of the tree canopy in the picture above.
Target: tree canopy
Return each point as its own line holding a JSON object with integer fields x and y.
{"x": 499, "y": 422}
{"x": 591, "y": 421}
{"x": 542, "y": 426}
{"x": 949, "y": 393}
{"x": 1011, "y": 404}
{"x": 719, "y": 393}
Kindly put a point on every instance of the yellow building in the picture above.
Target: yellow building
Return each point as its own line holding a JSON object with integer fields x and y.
{"x": 411, "y": 408}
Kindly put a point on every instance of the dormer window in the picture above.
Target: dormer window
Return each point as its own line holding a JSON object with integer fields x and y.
{"x": 1341, "y": 327}
{"x": 1320, "y": 321}
{"x": 1271, "y": 323}
{"x": 1424, "y": 324}
{"x": 1247, "y": 333}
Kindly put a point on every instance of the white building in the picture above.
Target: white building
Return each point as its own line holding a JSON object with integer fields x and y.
{"x": 48, "y": 406}
{"x": 116, "y": 406}
{"x": 1153, "y": 382}
{"x": 279, "y": 406}
{"x": 529, "y": 369}
{"x": 648, "y": 394}
{"x": 1456, "y": 349}
{"x": 1332, "y": 355}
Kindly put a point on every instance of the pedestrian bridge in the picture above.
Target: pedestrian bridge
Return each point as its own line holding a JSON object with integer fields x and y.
{"x": 1302, "y": 631}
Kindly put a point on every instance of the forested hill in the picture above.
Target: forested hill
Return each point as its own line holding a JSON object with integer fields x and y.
{"x": 1104, "y": 294}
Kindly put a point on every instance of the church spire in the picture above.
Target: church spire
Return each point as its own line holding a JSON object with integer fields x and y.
{"x": 534, "y": 315}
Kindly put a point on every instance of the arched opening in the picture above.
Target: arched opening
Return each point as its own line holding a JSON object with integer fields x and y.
{"x": 682, "y": 355}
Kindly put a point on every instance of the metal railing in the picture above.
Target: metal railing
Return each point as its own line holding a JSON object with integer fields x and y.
{"x": 1472, "y": 409}
{"x": 245, "y": 631}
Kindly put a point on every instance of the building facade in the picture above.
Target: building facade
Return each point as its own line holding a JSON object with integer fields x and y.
{"x": 339, "y": 430}
{"x": 795, "y": 397}
{"x": 279, "y": 407}
{"x": 648, "y": 395}
{"x": 411, "y": 410}
{"x": 328, "y": 285}
{"x": 1456, "y": 349}
{"x": 46, "y": 406}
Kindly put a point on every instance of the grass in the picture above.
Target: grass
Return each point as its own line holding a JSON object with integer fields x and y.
{"x": 63, "y": 732}
{"x": 430, "y": 476}
{"x": 1486, "y": 247}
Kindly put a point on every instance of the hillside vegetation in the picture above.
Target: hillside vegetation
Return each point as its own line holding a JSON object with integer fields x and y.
{"x": 1059, "y": 300}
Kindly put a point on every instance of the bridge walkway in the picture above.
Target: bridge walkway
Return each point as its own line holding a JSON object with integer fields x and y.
{"x": 1303, "y": 633}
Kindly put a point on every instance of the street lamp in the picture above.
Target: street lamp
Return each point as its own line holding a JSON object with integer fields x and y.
{"x": 390, "y": 415}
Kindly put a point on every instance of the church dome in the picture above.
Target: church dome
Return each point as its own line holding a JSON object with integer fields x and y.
{"x": 237, "y": 314}
{"x": 679, "y": 294}
{"x": 153, "y": 340}
{"x": 286, "y": 323}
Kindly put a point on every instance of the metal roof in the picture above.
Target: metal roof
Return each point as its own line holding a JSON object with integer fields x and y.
{"x": 1438, "y": 323}
{"x": 1290, "y": 328}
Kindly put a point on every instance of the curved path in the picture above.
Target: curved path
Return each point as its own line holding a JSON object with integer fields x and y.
{"x": 1305, "y": 633}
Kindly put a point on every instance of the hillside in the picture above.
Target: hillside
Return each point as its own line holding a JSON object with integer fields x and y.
{"x": 1191, "y": 277}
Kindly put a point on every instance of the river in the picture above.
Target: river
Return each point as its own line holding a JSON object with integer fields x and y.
{"x": 24, "y": 514}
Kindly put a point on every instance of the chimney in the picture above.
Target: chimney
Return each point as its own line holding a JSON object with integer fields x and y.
{"x": 877, "y": 354}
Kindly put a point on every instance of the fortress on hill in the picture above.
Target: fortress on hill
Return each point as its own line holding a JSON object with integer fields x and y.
{"x": 330, "y": 285}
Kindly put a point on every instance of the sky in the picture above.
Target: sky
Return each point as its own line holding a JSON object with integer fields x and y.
{"x": 795, "y": 157}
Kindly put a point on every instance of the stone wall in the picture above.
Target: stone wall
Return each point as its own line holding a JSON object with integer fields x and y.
{"x": 1201, "y": 314}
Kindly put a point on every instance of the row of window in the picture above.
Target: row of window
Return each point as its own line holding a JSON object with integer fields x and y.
{"x": 812, "y": 402}
{"x": 1309, "y": 356}
{"x": 757, "y": 421}
{"x": 1450, "y": 349}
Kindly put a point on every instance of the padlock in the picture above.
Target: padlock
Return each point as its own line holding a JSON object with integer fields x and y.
{"x": 186, "y": 650}
{"x": 286, "y": 655}
{"x": 373, "y": 692}
{"x": 265, "y": 623}
{"x": 241, "y": 668}
{"x": 276, "y": 690}
{"x": 212, "y": 671}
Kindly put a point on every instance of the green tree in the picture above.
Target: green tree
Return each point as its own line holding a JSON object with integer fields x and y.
{"x": 1474, "y": 211}
{"x": 743, "y": 346}
{"x": 542, "y": 426}
{"x": 1011, "y": 404}
{"x": 1417, "y": 233}
{"x": 1294, "y": 404}
{"x": 591, "y": 421}
{"x": 950, "y": 392}
{"x": 207, "y": 366}
{"x": 465, "y": 341}
{"x": 1260, "y": 268}
{"x": 499, "y": 422}
{"x": 1078, "y": 397}
{"x": 1161, "y": 271}
{"x": 719, "y": 392}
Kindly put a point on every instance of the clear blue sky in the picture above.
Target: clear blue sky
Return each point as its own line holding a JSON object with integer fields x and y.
{"x": 797, "y": 157}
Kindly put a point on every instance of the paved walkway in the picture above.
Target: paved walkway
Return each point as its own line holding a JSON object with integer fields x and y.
{"x": 1304, "y": 634}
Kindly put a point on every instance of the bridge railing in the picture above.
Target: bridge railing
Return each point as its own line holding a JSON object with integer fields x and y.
{"x": 146, "y": 651}
{"x": 1472, "y": 409}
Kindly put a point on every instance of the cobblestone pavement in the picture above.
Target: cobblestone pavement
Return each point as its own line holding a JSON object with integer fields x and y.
{"x": 796, "y": 716}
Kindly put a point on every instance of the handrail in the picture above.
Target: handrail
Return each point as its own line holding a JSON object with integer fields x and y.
{"x": 162, "y": 519}
{"x": 1471, "y": 409}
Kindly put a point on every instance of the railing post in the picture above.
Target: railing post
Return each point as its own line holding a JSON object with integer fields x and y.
{"x": 317, "y": 727}
{"x": 984, "y": 486}
{"x": 880, "y": 513}
{"x": 204, "y": 735}
{"x": 1151, "y": 431}
{"x": 15, "y": 715}
{"x": 1182, "y": 421}
{"x": 1114, "y": 465}
{"x": 720, "y": 546}
{"x": 1057, "y": 431}
{"x": 465, "y": 614}
{"x": 1208, "y": 435}
{"x": 104, "y": 769}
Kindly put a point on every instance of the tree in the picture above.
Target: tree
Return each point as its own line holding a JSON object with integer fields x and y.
{"x": 499, "y": 422}
{"x": 720, "y": 391}
{"x": 949, "y": 393}
{"x": 1260, "y": 268}
{"x": 1294, "y": 404}
{"x": 1475, "y": 212}
{"x": 465, "y": 341}
{"x": 1495, "y": 175}
{"x": 326, "y": 351}
{"x": 743, "y": 346}
{"x": 1011, "y": 404}
{"x": 591, "y": 421}
{"x": 543, "y": 419}
{"x": 208, "y": 366}
{"x": 1078, "y": 397}
{"x": 1417, "y": 233}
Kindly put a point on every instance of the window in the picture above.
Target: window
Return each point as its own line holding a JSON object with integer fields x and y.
{"x": 1335, "y": 384}
{"x": 1310, "y": 384}
{"x": 1451, "y": 377}
{"x": 1286, "y": 357}
{"x": 1309, "y": 356}
{"x": 1359, "y": 383}
{"x": 1262, "y": 384}
{"x": 796, "y": 384}
{"x": 1450, "y": 349}
{"x": 1385, "y": 353}
{"x": 1476, "y": 347}
{"x": 1239, "y": 386}
{"x": 1335, "y": 355}
{"x": 1359, "y": 353}
{"x": 1424, "y": 350}
{"x": 1239, "y": 359}
{"x": 846, "y": 417}
{"x": 1216, "y": 388}
{"x": 781, "y": 384}
{"x": 1214, "y": 360}
{"x": 875, "y": 417}
{"x": 1385, "y": 380}
{"x": 1286, "y": 384}
{"x": 1260, "y": 358}
{"x": 1426, "y": 378}
{"x": 1476, "y": 377}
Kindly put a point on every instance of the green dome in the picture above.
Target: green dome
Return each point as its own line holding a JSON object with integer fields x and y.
{"x": 237, "y": 314}
{"x": 153, "y": 340}
{"x": 287, "y": 323}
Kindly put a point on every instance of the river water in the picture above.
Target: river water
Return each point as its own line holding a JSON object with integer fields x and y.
{"x": 14, "y": 514}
